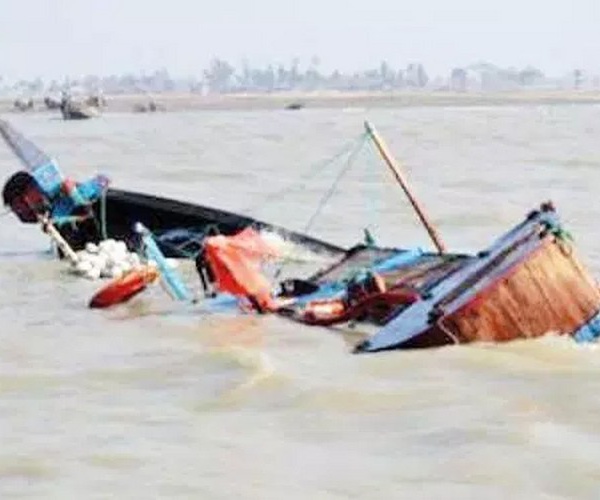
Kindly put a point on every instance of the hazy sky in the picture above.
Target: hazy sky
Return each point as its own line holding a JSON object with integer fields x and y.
{"x": 54, "y": 38}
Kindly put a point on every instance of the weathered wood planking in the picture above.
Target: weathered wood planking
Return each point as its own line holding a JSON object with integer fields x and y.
{"x": 549, "y": 291}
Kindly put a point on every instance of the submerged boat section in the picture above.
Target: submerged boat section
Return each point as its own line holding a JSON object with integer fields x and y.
{"x": 180, "y": 227}
{"x": 91, "y": 211}
{"x": 528, "y": 283}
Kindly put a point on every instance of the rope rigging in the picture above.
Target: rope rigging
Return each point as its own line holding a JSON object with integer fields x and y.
{"x": 331, "y": 191}
{"x": 316, "y": 169}
{"x": 346, "y": 167}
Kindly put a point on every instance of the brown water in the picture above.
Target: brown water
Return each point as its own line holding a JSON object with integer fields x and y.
{"x": 152, "y": 400}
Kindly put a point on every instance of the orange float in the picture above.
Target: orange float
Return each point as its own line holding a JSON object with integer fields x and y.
{"x": 124, "y": 288}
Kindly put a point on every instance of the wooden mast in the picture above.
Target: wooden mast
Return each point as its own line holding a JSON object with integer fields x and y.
{"x": 399, "y": 176}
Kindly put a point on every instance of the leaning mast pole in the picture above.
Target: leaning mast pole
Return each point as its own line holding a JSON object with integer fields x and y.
{"x": 399, "y": 176}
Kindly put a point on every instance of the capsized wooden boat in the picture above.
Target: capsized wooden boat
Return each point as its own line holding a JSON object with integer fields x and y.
{"x": 91, "y": 211}
{"x": 528, "y": 283}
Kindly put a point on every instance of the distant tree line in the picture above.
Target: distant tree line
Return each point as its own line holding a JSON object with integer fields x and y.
{"x": 222, "y": 77}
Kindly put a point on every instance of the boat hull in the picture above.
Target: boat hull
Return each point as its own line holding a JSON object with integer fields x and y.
{"x": 178, "y": 226}
{"x": 549, "y": 291}
{"x": 530, "y": 283}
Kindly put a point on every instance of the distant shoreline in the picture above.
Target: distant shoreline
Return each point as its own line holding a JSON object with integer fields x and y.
{"x": 332, "y": 99}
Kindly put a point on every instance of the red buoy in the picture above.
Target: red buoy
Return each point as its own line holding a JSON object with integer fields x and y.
{"x": 124, "y": 288}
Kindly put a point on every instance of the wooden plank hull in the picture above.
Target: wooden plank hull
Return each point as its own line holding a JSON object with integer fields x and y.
{"x": 531, "y": 282}
{"x": 550, "y": 291}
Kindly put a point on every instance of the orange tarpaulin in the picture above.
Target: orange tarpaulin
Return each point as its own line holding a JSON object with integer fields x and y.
{"x": 235, "y": 262}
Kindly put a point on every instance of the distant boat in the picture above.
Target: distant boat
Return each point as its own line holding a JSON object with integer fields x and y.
{"x": 150, "y": 107}
{"x": 52, "y": 103}
{"x": 23, "y": 105}
{"x": 293, "y": 106}
{"x": 75, "y": 111}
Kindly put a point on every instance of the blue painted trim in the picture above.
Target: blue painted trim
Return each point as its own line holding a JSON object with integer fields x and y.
{"x": 590, "y": 331}
{"x": 169, "y": 276}
{"x": 398, "y": 260}
{"x": 337, "y": 289}
{"x": 49, "y": 178}
{"x": 223, "y": 302}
